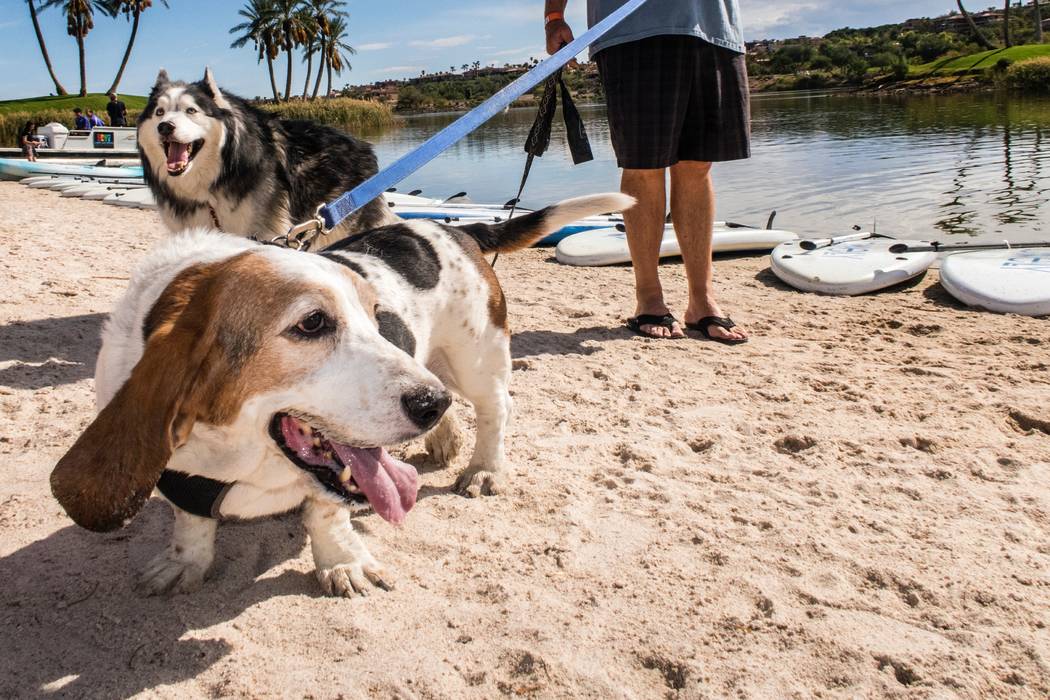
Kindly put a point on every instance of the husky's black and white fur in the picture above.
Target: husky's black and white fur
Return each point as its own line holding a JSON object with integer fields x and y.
{"x": 213, "y": 160}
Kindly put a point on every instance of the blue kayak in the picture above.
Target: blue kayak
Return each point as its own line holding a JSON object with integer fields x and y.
{"x": 16, "y": 169}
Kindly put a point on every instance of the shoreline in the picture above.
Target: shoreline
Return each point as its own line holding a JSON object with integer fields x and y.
{"x": 853, "y": 504}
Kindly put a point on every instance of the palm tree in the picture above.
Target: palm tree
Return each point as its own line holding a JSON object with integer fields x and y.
{"x": 258, "y": 28}
{"x": 132, "y": 10}
{"x": 974, "y": 29}
{"x": 1038, "y": 22}
{"x": 80, "y": 19}
{"x": 1006, "y": 24}
{"x": 59, "y": 89}
{"x": 288, "y": 23}
{"x": 337, "y": 50}
{"x": 313, "y": 32}
{"x": 324, "y": 11}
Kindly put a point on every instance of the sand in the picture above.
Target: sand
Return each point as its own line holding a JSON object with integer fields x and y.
{"x": 855, "y": 504}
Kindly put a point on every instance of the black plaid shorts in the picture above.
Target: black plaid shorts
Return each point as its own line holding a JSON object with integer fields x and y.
{"x": 672, "y": 98}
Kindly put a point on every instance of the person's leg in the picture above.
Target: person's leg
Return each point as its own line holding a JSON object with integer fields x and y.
{"x": 693, "y": 213}
{"x": 645, "y": 229}
{"x": 646, "y": 88}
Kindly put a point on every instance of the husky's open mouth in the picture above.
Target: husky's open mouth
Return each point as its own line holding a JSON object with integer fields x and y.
{"x": 352, "y": 473}
{"x": 180, "y": 155}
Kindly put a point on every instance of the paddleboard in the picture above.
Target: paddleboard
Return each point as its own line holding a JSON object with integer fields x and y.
{"x": 854, "y": 267}
{"x": 608, "y": 246}
{"x": 101, "y": 192}
{"x": 16, "y": 169}
{"x": 48, "y": 183}
{"x": 1012, "y": 281}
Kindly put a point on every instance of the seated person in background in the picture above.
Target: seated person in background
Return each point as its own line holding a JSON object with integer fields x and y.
{"x": 27, "y": 140}
{"x": 94, "y": 119}
{"x": 79, "y": 120}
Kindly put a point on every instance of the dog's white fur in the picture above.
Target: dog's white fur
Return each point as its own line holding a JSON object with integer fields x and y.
{"x": 354, "y": 386}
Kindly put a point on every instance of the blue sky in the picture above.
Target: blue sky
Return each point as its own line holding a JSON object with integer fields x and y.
{"x": 394, "y": 38}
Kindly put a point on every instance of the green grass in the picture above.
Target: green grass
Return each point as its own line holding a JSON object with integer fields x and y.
{"x": 978, "y": 62}
{"x": 95, "y": 100}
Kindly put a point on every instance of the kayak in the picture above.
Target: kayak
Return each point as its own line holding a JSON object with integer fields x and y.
{"x": 608, "y": 246}
{"x": 1012, "y": 281}
{"x": 849, "y": 268}
{"x": 16, "y": 169}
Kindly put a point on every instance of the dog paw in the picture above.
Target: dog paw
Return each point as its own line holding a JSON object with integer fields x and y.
{"x": 357, "y": 578}
{"x": 444, "y": 442}
{"x": 167, "y": 575}
{"x": 477, "y": 481}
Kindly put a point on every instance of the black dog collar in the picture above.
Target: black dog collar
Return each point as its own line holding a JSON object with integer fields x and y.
{"x": 198, "y": 495}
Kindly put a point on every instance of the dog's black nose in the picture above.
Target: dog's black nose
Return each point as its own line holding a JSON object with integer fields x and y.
{"x": 166, "y": 128}
{"x": 425, "y": 405}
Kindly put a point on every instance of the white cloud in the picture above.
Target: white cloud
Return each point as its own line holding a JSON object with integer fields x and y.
{"x": 375, "y": 46}
{"x": 518, "y": 51}
{"x": 399, "y": 69}
{"x": 445, "y": 42}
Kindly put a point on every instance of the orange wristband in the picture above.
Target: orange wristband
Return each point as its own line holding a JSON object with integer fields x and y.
{"x": 553, "y": 16}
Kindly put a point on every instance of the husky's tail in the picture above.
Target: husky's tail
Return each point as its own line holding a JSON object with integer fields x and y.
{"x": 522, "y": 231}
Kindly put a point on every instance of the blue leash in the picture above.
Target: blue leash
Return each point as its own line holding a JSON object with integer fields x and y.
{"x": 334, "y": 212}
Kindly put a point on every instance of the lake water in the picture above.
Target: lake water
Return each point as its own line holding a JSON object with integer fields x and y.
{"x": 959, "y": 166}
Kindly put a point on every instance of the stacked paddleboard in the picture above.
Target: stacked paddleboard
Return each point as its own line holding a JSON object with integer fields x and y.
{"x": 17, "y": 169}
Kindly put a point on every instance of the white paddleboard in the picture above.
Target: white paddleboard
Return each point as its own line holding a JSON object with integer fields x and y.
{"x": 608, "y": 246}
{"x": 1013, "y": 281}
{"x": 48, "y": 183}
{"x": 854, "y": 267}
{"x": 102, "y": 191}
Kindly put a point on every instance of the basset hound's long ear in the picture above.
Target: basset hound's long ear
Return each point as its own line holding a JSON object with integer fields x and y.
{"x": 109, "y": 473}
{"x": 213, "y": 89}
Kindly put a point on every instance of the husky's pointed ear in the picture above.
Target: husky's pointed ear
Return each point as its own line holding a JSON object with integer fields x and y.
{"x": 162, "y": 78}
{"x": 109, "y": 473}
{"x": 213, "y": 88}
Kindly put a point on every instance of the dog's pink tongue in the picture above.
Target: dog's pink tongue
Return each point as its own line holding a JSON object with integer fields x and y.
{"x": 389, "y": 485}
{"x": 178, "y": 153}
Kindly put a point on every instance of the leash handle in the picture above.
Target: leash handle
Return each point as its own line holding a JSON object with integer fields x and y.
{"x": 334, "y": 212}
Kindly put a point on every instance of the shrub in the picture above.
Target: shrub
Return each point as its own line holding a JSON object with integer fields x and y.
{"x": 1032, "y": 75}
{"x": 344, "y": 112}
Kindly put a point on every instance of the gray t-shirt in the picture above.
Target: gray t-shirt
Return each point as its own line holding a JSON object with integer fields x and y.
{"x": 716, "y": 21}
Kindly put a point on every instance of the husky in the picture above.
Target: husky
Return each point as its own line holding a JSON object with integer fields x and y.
{"x": 213, "y": 160}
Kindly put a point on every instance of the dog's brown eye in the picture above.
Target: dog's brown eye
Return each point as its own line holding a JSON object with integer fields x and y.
{"x": 191, "y": 110}
{"x": 314, "y": 324}
{"x": 159, "y": 112}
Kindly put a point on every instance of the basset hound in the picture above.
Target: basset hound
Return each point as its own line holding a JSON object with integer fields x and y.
{"x": 242, "y": 380}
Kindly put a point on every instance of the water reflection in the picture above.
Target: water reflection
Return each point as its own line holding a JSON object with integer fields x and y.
{"x": 922, "y": 166}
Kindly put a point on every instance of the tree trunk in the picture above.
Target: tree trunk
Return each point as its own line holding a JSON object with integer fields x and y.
{"x": 320, "y": 69}
{"x": 59, "y": 89}
{"x": 329, "y": 93}
{"x": 273, "y": 78}
{"x": 977, "y": 34}
{"x": 288, "y": 76}
{"x": 1006, "y": 24}
{"x": 127, "y": 51}
{"x": 1038, "y": 23}
{"x": 83, "y": 63}
{"x": 309, "y": 71}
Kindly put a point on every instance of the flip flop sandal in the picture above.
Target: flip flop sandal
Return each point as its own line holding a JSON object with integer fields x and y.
{"x": 664, "y": 321}
{"x": 703, "y": 326}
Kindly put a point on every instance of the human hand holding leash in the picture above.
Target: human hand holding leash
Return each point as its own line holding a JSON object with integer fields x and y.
{"x": 557, "y": 29}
